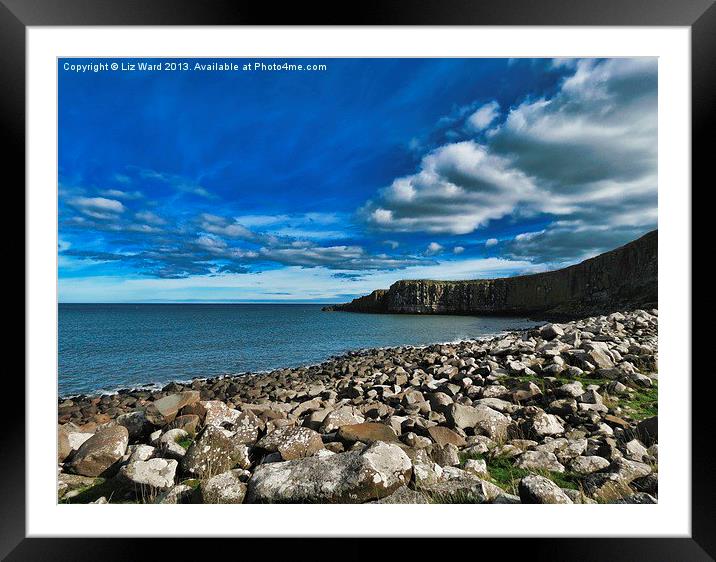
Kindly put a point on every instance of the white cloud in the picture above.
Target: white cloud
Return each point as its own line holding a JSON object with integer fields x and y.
{"x": 149, "y": 218}
{"x": 392, "y": 243}
{"x": 98, "y": 207}
{"x": 458, "y": 250}
{"x": 221, "y": 226}
{"x": 586, "y": 155}
{"x": 433, "y": 248}
{"x": 484, "y": 116}
{"x": 460, "y": 187}
{"x": 119, "y": 194}
{"x": 491, "y": 242}
{"x": 293, "y": 283}
{"x": 211, "y": 244}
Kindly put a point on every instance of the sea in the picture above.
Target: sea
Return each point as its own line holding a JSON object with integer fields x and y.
{"x": 106, "y": 347}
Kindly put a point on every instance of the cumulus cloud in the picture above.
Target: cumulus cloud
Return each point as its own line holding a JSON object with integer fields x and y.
{"x": 458, "y": 250}
{"x": 586, "y": 156}
{"x": 484, "y": 116}
{"x": 460, "y": 187}
{"x": 491, "y": 242}
{"x": 433, "y": 249}
{"x": 98, "y": 207}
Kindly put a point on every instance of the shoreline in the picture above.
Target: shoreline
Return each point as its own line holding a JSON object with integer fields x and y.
{"x": 558, "y": 413}
{"x": 158, "y": 386}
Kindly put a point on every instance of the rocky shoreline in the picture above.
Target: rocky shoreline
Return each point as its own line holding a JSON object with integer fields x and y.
{"x": 563, "y": 413}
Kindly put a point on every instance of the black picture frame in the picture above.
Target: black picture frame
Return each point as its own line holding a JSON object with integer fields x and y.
{"x": 699, "y": 15}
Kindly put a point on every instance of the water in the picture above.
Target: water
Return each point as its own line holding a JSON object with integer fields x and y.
{"x": 104, "y": 347}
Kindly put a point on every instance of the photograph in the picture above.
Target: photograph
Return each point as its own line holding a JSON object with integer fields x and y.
{"x": 357, "y": 280}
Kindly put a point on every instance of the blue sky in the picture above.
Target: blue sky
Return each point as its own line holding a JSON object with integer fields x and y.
{"x": 322, "y": 185}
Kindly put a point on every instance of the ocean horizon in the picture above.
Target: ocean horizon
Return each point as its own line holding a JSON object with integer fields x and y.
{"x": 103, "y": 347}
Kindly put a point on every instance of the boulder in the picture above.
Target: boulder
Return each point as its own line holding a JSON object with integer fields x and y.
{"x": 345, "y": 415}
{"x": 483, "y": 419}
{"x": 68, "y": 483}
{"x": 572, "y": 389}
{"x": 212, "y": 453}
{"x": 468, "y": 489}
{"x": 439, "y": 402}
{"x": 599, "y": 355}
{"x": 525, "y": 391}
{"x": 648, "y": 430}
{"x": 352, "y": 477}
{"x": 538, "y": 489}
{"x": 478, "y": 467}
{"x": 551, "y": 331}
{"x": 219, "y": 414}
{"x": 141, "y": 452}
{"x": 156, "y": 474}
{"x": 168, "y": 444}
{"x": 542, "y": 424}
{"x": 63, "y": 443}
{"x": 425, "y": 469}
{"x": 539, "y": 460}
{"x": 635, "y": 450}
{"x": 367, "y": 432}
{"x": 246, "y": 428}
{"x": 292, "y": 442}
{"x": 181, "y": 493}
{"x": 162, "y": 411}
{"x": 588, "y": 465}
{"x": 226, "y": 487}
{"x": 99, "y": 453}
{"x": 444, "y": 435}
{"x": 446, "y": 455}
{"x": 185, "y": 422}
{"x": 605, "y": 486}
{"x": 135, "y": 422}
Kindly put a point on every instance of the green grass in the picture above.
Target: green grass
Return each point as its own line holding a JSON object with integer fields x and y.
{"x": 644, "y": 403}
{"x": 192, "y": 482}
{"x": 503, "y": 473}
{"x": 185, "y": 442}
{"x": 507, "y": 476}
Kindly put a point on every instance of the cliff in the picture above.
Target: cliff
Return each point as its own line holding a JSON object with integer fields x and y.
{"x": 624, "y": 278}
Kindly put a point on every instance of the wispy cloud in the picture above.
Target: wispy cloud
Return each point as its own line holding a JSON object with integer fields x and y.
{"x": 98, "y": 207}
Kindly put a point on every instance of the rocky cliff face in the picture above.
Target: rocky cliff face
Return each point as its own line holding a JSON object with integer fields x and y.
{"x": 623, "y": 278}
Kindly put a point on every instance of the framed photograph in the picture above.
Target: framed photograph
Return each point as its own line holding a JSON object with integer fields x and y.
{"x": 419, "y": 272}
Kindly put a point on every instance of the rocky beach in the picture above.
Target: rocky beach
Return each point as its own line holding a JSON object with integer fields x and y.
{"x": 561, "y": 413}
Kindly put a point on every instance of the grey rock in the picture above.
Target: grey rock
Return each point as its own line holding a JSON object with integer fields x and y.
{"x": 226, "y": 487}
{"x": 539, "y": 460}
{"x": 100, "y": 452}
{"x": 156, "y": 474}
{"x": 538, "y": 489}
{"x": 352, "y": 477}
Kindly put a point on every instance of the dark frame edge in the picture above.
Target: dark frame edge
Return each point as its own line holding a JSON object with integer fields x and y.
{"x": 700, "y": 14}
{"x": 703, "y": 94}
{"x": 12, "y": 123}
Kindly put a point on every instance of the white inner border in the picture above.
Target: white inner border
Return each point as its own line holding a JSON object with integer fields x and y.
{"x": 671, "y": 517}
